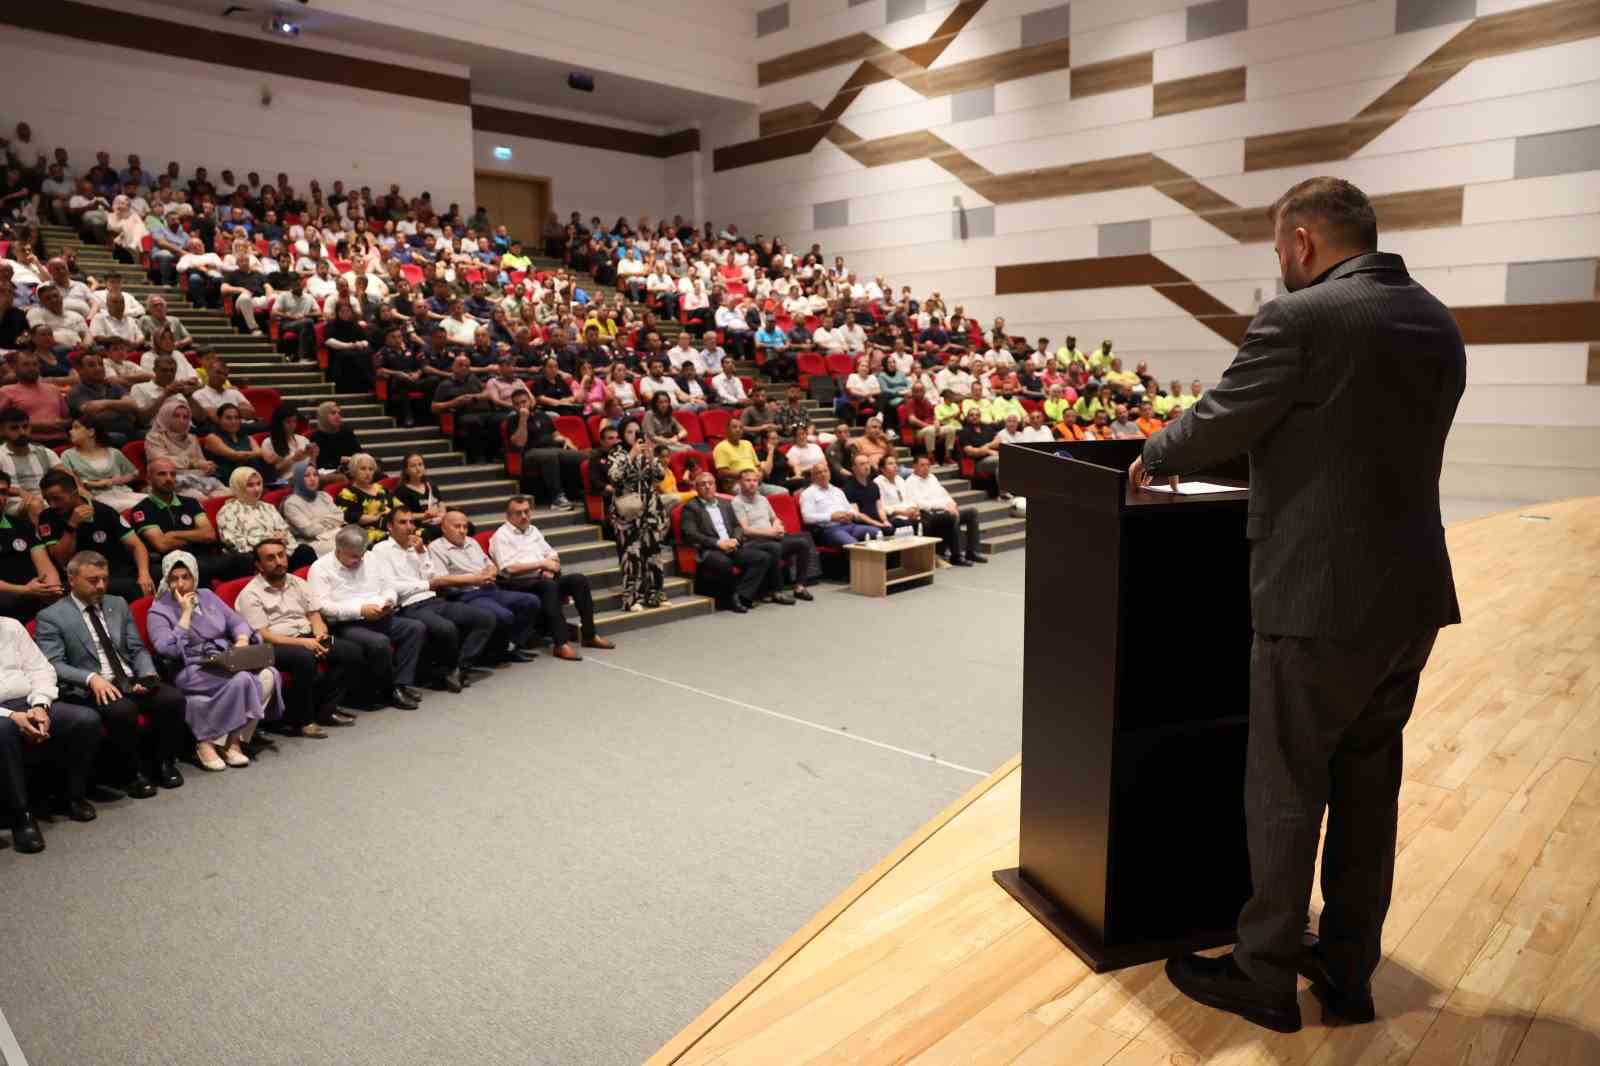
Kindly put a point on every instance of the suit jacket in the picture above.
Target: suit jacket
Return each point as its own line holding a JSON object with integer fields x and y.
{"x": 1342, "y": 394}
{"x": 64, "y": 637}
{"x": 698, "y": 530}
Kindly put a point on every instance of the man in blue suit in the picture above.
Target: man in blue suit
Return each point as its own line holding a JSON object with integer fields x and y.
{"x": 93, "y": 643}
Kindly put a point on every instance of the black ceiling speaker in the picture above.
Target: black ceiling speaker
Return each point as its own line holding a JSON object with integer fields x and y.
{"x": 584, "y": 83}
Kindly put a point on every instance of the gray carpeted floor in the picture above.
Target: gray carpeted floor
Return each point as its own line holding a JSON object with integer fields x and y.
{"x": 562, "y": 866}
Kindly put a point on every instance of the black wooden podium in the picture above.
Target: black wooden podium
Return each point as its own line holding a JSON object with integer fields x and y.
{"x": 1136, "y": 657}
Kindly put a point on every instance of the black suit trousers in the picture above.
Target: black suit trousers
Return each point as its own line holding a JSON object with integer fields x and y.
{"x": 1326, "y": 719}
{"x": 163, "y": 709}
{"x": 755, "y": 565}
{"x": 309, "y": 695}
{"x": 74, "y": 739}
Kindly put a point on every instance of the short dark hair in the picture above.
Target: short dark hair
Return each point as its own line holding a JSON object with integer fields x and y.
{"x": 1342, "y": 209}
{"x": 59, "y": 478}
{"x": 13, "y": 414}
{"x": 279, "y": 541}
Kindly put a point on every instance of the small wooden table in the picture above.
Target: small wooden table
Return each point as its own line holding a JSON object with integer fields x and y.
{"x": 870, "y": 574}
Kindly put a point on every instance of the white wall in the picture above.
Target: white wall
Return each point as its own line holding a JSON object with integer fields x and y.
{"x": 123, "y": 101}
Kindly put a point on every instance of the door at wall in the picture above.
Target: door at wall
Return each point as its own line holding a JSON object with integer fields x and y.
{"x": 518, "y": 203}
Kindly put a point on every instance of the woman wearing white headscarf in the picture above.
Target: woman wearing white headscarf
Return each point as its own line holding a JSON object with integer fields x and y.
{"x": 192, "y": 625}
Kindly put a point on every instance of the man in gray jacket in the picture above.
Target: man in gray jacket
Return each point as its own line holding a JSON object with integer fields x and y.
{"x": 1342, "y": 394}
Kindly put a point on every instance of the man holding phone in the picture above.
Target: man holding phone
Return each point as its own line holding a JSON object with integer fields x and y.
{"x": 352, "y": 599}
{"x": 283, "y": 610}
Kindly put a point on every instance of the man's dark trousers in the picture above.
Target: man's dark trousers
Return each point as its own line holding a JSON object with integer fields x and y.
{"x": 1325, "y": 731}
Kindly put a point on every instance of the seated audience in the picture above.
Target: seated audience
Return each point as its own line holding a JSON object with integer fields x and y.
{"x": 976, "y": 442}
{"x": 91, "y": 639}
{"x": 365, "y": 501}
{"x": 528, "y": 563}
{"x": 954, "y": 525}
{"x": 458, "y": 632}
{"x": 661, "y": 427}
{"x": 314, "y": 517}
{"x": 35, "y": 724}
{"x": 861, "y": 489}
{"x": 829, "y": 515}
{"x": 283, "y": 445}
{"x": 558, "y": 462}
{"x": 285, "y": 614}
{"x": 43, "y": 405}
{"x": 104, "y": 404}
{"x": 192, "y": 626}
{"x": 232, "y": 449}
{"x": 171, "y": 521}
{"x": 28, "y": 581}
{"x": 415, "y": 493}
{"x": 247, "y": 520}
{"x": 763, "y": 530}
{"x": 734, "y": 455}
{"x": 171, "y": 439}
{"x": 469, "y": 576}
{"x": 105, "y": 472}
{"x": 73, "y": 522}
{"x": 359, "y": 608}
{"x": 335, "y": 442}
{"x": 463, "y": 396}
{"x": 24, "y": 463}
{"x": 709, "y": 527}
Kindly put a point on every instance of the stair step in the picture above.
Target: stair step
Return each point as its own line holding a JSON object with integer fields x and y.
{"x": 678, "y": 607}
{"x": 1003, "y": 543}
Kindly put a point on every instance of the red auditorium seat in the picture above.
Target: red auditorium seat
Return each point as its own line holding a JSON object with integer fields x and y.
{"x": 513, "y": 456}
{"x": 263, "y": 399}
{"x": 691, "y": 424}
{"x": 211, "y": 505}
{"x": 714, "y": 424}
{"x": 594, "y": 502}
{"x": 228, "y": 591}
{"x": 841, "y": 365}
{"x": 134, "y": 450}
{"x": 810, "y": 365}
{"x": 572, "y": 428}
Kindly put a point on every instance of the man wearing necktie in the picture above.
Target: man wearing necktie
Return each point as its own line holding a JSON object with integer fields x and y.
{"x": 93, "y": 643}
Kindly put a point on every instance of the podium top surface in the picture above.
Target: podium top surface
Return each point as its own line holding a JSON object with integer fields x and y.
{"x": 1095, "y": 474}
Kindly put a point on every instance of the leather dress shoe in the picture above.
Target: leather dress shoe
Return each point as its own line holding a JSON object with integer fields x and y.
{"x": 139, "y": 787}
{"x": 1353, "y": 1005}
{"x": 567, "y": 652}
{"x": 957, "y": 560}
{"x": 79, "y": 810}
{"x": 598, "y": 641}
{"x": 977, "y": 558}
{"x": 1221, "y": 984}
{"x": 412, "y": 692}
{"x": 398, "y": 698}
{"x": 337, "y": 718}
{"x": 452, "y": 681}
{"x": 517, "y": 655}
{"x": 25, "y": 836}
{"x": 737, "y": 606}
{"x": 803, "y": 594}
{"x": 167, "y": 775}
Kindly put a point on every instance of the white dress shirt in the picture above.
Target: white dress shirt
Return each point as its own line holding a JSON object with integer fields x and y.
{"x": 818, "y": 504}
{"x": 513, "y": 547}
{"x": 343, "y": 592}
{"x": 892, "y": 493}
{"x": 926, "y": 493}
{"x": 147, "y": 363}
{"x": 729, "y": 388}
{"x": 24, "y": 671}
{"x": 407, "y": 571}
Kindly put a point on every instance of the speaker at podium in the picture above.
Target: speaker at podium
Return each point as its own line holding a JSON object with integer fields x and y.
{"x": 1136, "y": 653}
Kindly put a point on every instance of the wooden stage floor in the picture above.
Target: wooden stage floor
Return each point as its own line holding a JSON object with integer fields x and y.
{"x": 1492, "y": 948}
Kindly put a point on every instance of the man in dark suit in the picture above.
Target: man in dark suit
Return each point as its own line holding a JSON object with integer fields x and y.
{"x": 710, "y": 528}
{"x": 1342, "y": 394}
{"x": 93, "y": 642}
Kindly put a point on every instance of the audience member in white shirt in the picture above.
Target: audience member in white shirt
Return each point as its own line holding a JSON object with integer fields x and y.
{"x": 829, "y": 514}
{"x": 359, "y": 608}
{"x": 941, "y": 517}
{"x": 458, "y": 632}
{"x": 528, "y": 563}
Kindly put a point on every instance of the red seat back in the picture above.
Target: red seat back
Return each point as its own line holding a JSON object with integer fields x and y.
{"x": 483, "y": 536}
{"x": 264, "y": 400}
{"x": 714, "y": 424}
{"x": 228, "y": 591}
{"x": 685, "y": 555}
{"x": 691, "y": 424}
{"x": 211, "y": 505}
{"x": 594, "y": 502}
{"x": 134, "y": 450}
{"x": 140, "y": 609}
{"x": 841, "y": 365}
{"x": 678, "y": 463}
{"x": 787, "y": 508}
{"x": 810, "y": 363}
{"x": 513, "y": 456}
{"x": 276, "y": 497}
{"x": 572, "y": 428}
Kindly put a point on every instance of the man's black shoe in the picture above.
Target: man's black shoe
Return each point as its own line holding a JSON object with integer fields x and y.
{"x": 399, "y": 698}
{"x": 452, "y": 681}
{"x": 517, "y": 655}
{"x": 1219, "y": 983}
{"x": 139, "y": 787}
{"x": 167, "y": 775}
{"x": 79, "y": 810}
{"x": 736, "y": 605}
{"x": 25, "y": 836}
{"x": 977, "y": 558}
{"x": 1354, "y": 1006}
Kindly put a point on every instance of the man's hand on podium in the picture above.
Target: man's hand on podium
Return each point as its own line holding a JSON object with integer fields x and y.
{"x": 1141, "y": 478}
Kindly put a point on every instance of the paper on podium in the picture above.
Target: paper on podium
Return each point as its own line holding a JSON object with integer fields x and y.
{"x": 1194, "y": 488}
